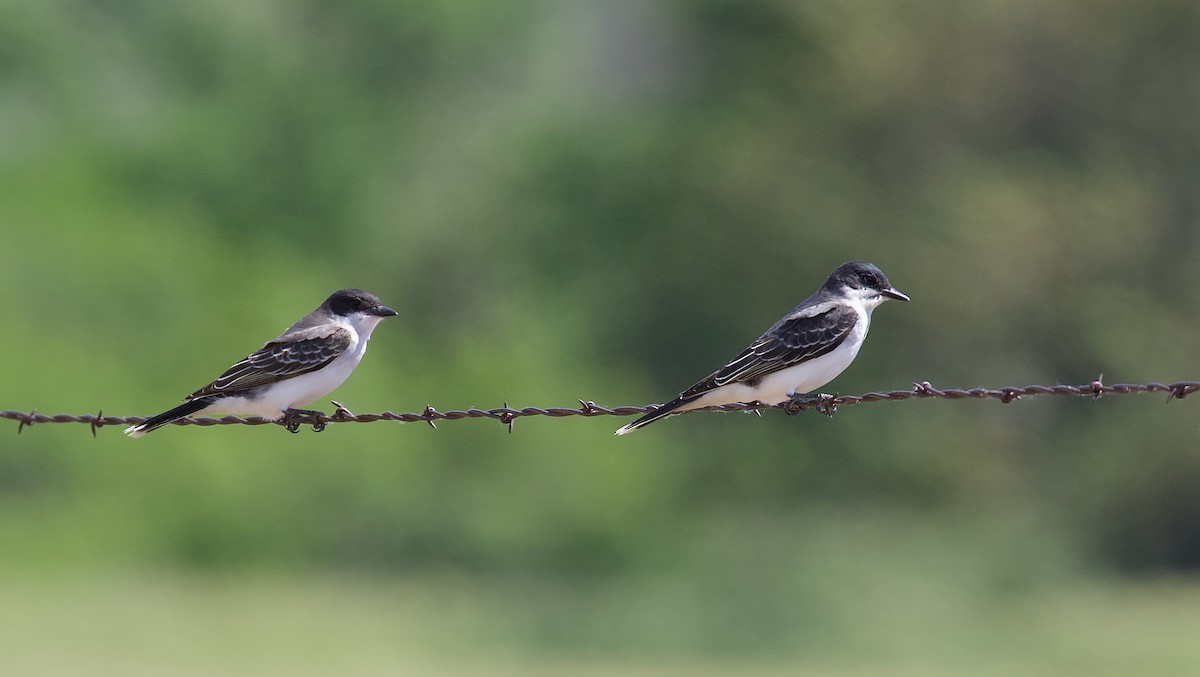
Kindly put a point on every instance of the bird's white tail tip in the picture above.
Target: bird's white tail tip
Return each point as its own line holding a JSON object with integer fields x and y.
{"x": 624, "y": 430}
{"x": 135, "y": 431}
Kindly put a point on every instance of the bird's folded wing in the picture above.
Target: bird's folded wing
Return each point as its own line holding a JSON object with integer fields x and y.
{"x": 796, "y": 338}
{"x": 289, "y": 355}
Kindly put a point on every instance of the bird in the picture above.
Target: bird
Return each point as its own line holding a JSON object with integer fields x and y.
{"x": 308, "y": 361}
{"x": 807, "y": 348}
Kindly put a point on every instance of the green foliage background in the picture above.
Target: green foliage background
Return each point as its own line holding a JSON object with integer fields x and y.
{"x": 603, "y": 200}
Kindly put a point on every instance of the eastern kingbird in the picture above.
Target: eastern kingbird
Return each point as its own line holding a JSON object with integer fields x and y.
{"x": 307, "y": 362}
{"x": 806, "y": 349}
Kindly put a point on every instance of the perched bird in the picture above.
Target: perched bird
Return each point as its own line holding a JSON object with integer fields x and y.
{"x": 308, "y": 361}
{"x": 803, "y": 351}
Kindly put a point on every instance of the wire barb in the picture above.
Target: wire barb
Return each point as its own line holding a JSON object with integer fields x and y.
{"x": 825, "y": 404}
{"x": 429, "y": 415}
{"x": 341, "y": 413}
{"x": 26, "y": 421}
{"x": 507, "y": 417}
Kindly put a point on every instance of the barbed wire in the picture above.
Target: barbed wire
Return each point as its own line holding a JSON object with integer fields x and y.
{"x": 826, "y": 404}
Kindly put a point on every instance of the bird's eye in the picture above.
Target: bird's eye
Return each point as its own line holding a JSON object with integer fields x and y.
{"x": 870, "y": 280}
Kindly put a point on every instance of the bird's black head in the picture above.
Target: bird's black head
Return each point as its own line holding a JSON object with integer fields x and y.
{"x": 863, "y": 277}
{"x": 346, "y": 302}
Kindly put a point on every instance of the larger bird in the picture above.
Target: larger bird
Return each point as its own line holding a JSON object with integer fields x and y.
{"x": 308, "y": 361}
{"x": 801, "y": 352}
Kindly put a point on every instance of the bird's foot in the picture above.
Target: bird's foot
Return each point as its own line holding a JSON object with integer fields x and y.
{"x": 294, "y": 418}
{"x": 822, "y": 402}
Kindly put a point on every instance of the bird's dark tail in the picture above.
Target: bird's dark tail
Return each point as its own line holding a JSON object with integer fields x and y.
{"x": 155, "y": 422}
{"x": 663, "y": 411}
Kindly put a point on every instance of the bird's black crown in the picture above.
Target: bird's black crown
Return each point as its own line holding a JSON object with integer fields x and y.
{"x": 347, "y": 301}
{"x": 859, "y": 275}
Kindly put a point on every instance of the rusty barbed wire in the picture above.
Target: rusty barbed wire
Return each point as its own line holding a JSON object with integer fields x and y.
{"x": 826, "y": 404}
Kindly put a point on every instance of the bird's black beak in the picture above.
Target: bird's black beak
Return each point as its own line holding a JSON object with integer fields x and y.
{"x": 893, "y": 293}
{"x": 384, "y": 311}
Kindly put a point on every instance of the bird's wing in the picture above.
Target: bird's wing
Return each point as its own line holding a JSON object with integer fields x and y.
{"x": 289, "y": 355}
{"x": 798, "y": 337}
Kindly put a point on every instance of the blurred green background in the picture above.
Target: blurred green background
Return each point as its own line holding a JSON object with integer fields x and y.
{"x": 601, "y": 200}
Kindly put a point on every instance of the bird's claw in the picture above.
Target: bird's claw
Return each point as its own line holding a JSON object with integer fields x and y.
{"x": 822, "y": 402}
{"x": 294, "y": 418}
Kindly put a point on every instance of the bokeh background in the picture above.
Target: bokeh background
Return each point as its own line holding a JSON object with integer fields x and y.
{"x": 601, "y": 199}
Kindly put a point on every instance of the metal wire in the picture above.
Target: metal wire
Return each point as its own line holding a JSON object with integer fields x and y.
{"x": 826, "y": 404}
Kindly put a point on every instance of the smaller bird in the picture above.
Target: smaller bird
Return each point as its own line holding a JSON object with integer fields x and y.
{"x": 801, "y": 352}
{"x": 308, "y": 361}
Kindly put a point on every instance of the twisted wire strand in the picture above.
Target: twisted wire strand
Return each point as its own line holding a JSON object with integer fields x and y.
{"x": 826, "y": 404}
